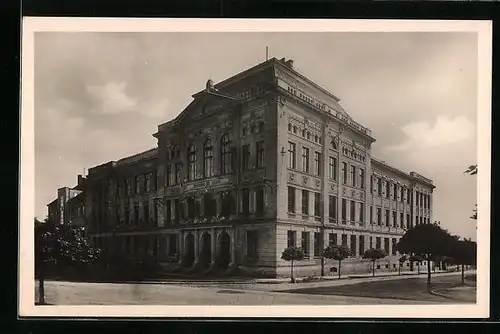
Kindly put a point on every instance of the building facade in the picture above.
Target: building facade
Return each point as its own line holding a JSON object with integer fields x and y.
{"x": 261, "y": 161}
{"x": 67, "y": 207}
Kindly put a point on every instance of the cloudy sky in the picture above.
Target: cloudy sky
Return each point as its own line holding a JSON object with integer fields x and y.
{"x": 100, "y": 96}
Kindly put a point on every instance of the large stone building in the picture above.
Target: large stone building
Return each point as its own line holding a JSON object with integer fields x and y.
{"x": 263, "y": 160}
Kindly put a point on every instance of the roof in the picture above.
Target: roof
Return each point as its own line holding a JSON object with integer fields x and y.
{"x": 411, "y": 175}
{"x": 149, "y": 154}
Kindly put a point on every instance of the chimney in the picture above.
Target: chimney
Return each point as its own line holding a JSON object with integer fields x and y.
{"x": 80, "y": 179}
{"x": 289, "y": 63}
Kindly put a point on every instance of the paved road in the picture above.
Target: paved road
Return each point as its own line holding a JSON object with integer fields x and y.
{"x": 71, "y": 293}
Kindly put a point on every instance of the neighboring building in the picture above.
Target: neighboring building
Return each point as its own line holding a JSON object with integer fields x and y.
{"x": 67, "y": 207}
{"x": 263, "y": 160}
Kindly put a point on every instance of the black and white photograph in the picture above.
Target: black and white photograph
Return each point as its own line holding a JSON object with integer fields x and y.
{"x": 262, "y": 168}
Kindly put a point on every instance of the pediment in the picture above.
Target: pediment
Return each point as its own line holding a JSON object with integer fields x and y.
{"x": 205, "y": 104}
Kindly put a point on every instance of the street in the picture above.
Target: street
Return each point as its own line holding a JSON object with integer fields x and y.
{"x": 394, "y": 291}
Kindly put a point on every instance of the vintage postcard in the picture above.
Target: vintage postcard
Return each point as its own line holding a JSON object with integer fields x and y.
{"x": 255, "y": 168}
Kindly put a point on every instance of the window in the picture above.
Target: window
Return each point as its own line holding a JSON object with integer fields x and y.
{"x": 245, "y": 201}
{"x": 387, "y": 189}
{"x": 252, "y": 244}
{"x": 136, "y": 213}
{"x": 379, "y": 216}
{"x": 378, "y": 243}
{"x": 394, "y": 219}
{"x": 361, "y": 212}
{"x": 317, "y": 163}
{"x": 226, "y": 155}
{"x": 394, "y": 242}
{"x": 191, "y": 162}
{"x": 395, "y": 192}
{"x": 362, "y": 178}
{"x": 318, "y": 244}
{"x": 191, "y": 208}
{"x": 353, "y": 245}
{"x": 344, "y": 210}
{"x": 353, "y": 176}
{"x": 317, "y": 205}
{"x": 408, "y": 196}
{"x": 172, "y": 245}
{"x": 408, "y": 224}
{"x": 291, "y": 155}
{"x": 291, "y": 199}
{"x": 334, "y": 144}
{"x": 353, "y": 212}
{"x": 332, "y": 239}
{"x": 401, "y": 220}
{"x": 379, "y": 187}
{"x": 126, "y": 210}
{"x": 128, "y": 186}
{"x": 305, "y": 244}
{"x": 177, "y": 178}
{"x": 137, "y": 184}
{"x": 168, "y": 211}
{"x": 332, "y": 207}
{"x": 371, "y": 242}
{"x": 227, "y": 203}
{"x": 402, "y": 193}
{"x": 291, "y": 238}
{"x": 147, "y": 181}
{"x": 305, "y": 202}
{"x": 361, "y": 245}
{"x": 305, "y": 159}
{"x": 260, "y": 156}
{"x": 145, "y": 216}
{"x": 245, "y": 157}
{"x": 387, "y": 217}
{"x": 259, "y": 199}
{"x": 386, "y": 245}
{"x": 170, "y": 175}
{"x": 209, "y": 205}
{"x": 332, "y": 168}
{"x": 344, "y": 172}
{"x": 371, "y": 214}
{"x": 344, "y": 240}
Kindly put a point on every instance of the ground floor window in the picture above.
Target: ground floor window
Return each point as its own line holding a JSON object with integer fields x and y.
{"x": 332, "y": 238}
{"x": 361, "y": 244}
{"x": 172, "y": 245}
{"x": 305, "y": 244}
{"x": 291, "y": 239}
{"x": 252, "y": 244}
{"x": 318, "y": 244}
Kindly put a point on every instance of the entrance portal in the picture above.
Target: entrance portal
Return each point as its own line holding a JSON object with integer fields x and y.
{"x": 189, "y": 250}
{"x": 205, "y": 256}
{"x": 224, "y": 255}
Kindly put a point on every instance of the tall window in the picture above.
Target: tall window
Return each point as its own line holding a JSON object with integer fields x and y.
{"x": 168, "y": 211}
{"x": 387, "y": 189}
{"x": 191, "y": 208}
{"x": 226, "y": 155}
{"x": 408, "y": 224}
{"x": 379, "y": 216}
{"x": 394, "y": 242}
{"x": 291, "y": 199}
{"x": 208, "y": 158}
{"x": 137, "y": 184}
{"x": 332, "y": 168}
{"x": 386, "y": 217}
{"x": 191, "y": 162}
{"x": 245, "y": 201}
{"x": 227, "y": 203}
{"x": 209, "y": 205}
{"x": 344, "y": 210}
{"x": 245, "y": 158}
{"x": 394, "y": 219}
{"x": 408, "y": 196}
{"x": 353, "y": 176}
{"x": 292, "y": 163}
{"x": 317, "y": 163}
{"x": 362, "y": 178}
{"x": 291, "y": 238}
{"x": 401, "y": 194}
{"x": 259, "y": 201}
{"x": 353, "y": 212}
{"x": 361, "y": 245}
{"x": 344, "y": 172}
{"x": 177, "y": 176}
{"x": 379, "y": 187}
{"x": 401, "y": 220}
{"x": 361, "y": 212}
{"x": 395, "y": 192}
{"x": 386, "y": 245}
{"x": 353, "y": 245}
{"x": 305, "y": 159}
{"x": 318, "y": 244}
{"x": 170, "y": 175}
{"x": 260, "y": 156}
{"x": 252, "y": 244}
{"x": 147, "y": 181}
{"x": 317, "y": 204}
{"x": 371, "y": 183}
{"x": 332, "y": 239}
{"x": 378, "y": 243}
{"x": 344, "y": 240}
{"x": 305, "y": 243}
{"x": 332, "y": 208}
{"x": 145, "y": 217}
{"x": 305, "y": 202}
{"x": 371, "y": 214}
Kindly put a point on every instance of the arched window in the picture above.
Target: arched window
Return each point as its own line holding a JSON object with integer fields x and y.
{"x": 226, "y": 158}
{"x": 191, "y": 162}
{"x": 208, "y": 158}
{"x": 334, "y": 145}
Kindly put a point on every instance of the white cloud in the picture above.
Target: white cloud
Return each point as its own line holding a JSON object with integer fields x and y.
{"x": 444, "y": 131}
{"x": 113, "y": 97}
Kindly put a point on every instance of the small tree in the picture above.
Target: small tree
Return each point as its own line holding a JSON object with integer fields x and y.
{"x": 58, "y": 246}
{"x": 401, "y": 260}
{"x": 374, "y": 254}
{"x": 427, "y": 241}
{"x": 418, "y": 259}
{"x": 465, "y": 254}
{"x": 292, "y": 254}
{"x": 338, "y": 253}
